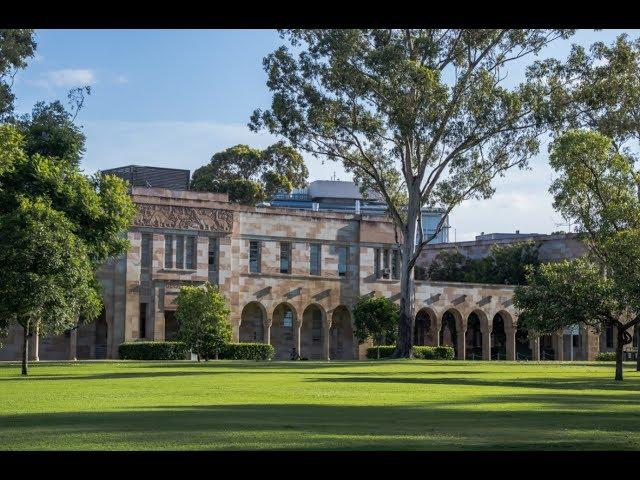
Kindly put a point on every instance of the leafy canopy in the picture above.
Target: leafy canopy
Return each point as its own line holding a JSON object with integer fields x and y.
{"x": 16, "y": 45}
{"x": 505, "y": 264}
{"x": 376, "y": 318}
{"x": 250, "y": 175}
{"x": 203, "y": 318}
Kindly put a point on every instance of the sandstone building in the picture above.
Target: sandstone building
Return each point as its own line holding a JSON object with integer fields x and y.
{"x": 291, "y": 277}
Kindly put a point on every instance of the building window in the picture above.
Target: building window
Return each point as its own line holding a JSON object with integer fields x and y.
{"x": 609, "y": 336}
{"x": 180, "y": 251}
{"x": 315, "y": 259}
{"x": 254, "y": 256}
{"x": 145, "y": 253}
{"x": 191, "y": 252}
{"x": 168, "y": 251}
{"x": 376, "y": 262}
{"x": 285, "y": 257}
{"x": 142, "y": 327}
{"x": 213, "y": 254}
{"x": 342, "y": 261}
{"x": 395, "y": 264}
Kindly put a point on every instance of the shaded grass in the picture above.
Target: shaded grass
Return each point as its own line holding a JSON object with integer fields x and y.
{"x": 317, "y": 405}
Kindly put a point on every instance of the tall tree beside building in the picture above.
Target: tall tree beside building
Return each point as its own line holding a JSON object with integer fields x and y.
{"x": 596, "y": 189}
{"x": 250, "y": 175}
{"x": 601, "y": 92}
{"x": 92, "y": 216}
{"x": 16, "y": 46}
{"x": 423, "y": 117}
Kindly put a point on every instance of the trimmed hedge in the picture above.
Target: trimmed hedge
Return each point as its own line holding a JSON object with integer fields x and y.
{"x": 153, "y": 351}
{"x": 385, "y": 351}
{"x": 606, "y": 357}
{"x": 247, "y": 351}
{"x": 434, "y": 353}
{"x": 420, "y": 352}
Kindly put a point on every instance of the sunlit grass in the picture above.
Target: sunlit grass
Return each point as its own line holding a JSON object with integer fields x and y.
{"x": 318, "y": 405}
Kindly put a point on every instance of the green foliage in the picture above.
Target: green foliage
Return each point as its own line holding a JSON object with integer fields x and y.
{"x": 50, "y": 131}
{"x": 433, "y": 353}
{"x": 249, "y": 175}
{"x": 59, "y": 227}
{"x": 16, "y": 45}
{"x": 46, "y": 276}
{"x": 203, "y": 319}
{"x": 380, "y": 351}
{"x": 504, "y": 264}
{"x": 419, "y": 352}
{"x": 375, "y": 317}
{"x": 247, "y": 351}
{"x": 606, "y": 357}
{"x": 152, "y": 351}
{"x": 565, "y": 293}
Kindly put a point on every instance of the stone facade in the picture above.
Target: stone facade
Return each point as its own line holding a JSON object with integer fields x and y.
{"x": 183, "y": 237}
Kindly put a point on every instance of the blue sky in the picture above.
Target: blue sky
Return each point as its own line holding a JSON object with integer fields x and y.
{"x": 172, "y": 98}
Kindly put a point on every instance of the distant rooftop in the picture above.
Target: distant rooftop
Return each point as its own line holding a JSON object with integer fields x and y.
{"x": 152, "y": 177}
{"x": 498, "y": 236}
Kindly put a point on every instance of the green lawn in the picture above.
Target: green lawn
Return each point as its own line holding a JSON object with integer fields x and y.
{"x": 318, "y": 405}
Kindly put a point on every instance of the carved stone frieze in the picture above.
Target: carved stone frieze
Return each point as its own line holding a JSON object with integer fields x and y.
{"x": 184, "y": 218}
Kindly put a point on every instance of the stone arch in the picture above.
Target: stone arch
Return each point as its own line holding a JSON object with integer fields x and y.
{"x": 499, "y": 326}
{"x": 252, "y": 321}
{"x": 312, "y": 331}
{"x": 523, "y": 344}
{"x": 547, "y": 350}
{"x": 425, "y": 327}
{"x": 476, "y": 322}
{"x": 341, "y": 341}
{"x": 101, "y": 336}
{"x": 284, "y": 330}
{"x": 450, "y": 327}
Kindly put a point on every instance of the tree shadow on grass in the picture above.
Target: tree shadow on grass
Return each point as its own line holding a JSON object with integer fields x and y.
{"x": 312, "y": 426}
{"x": 104, "y": 376}
{"x": 545, "y": 383}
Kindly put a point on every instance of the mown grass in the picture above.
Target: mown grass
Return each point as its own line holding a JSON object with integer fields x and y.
{"x": 317, "y": 405}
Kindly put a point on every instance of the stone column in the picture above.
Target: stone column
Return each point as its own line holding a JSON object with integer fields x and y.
{"x": 235, "y": 330}
{"x": 36, "y": 344}
{"x": 267, "y": 330}
{"x": 462, "y": 344}
{"x": 158, "y": 312}
{"x": 558, "y": 345}
{"x": 73, "y": 341}
{"x": 511, "y": 342}
{"x": 326, "y": 338}
{"x": 486, "y": 344}
{"x": 297, "y": 326}
{"x": 535, "y": 349}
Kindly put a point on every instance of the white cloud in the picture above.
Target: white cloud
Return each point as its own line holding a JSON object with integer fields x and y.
{"x": 120, "y": 79}
{"x": 68, "y": 77}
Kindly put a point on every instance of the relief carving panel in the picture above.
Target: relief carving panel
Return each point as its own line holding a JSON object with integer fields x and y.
{"x": 184, "y": 218}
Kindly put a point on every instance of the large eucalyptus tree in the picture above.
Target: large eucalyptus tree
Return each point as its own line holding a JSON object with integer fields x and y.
{"x": 423, "y": 117}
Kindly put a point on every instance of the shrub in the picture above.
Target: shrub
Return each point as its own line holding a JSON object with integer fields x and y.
{"x": 433, "y": 353}
{"x": 152, "y": 351}
{"x": 420, "y": 352}
{"x": 606, "y": 357}
{"x": 385, "y": 351}
{"x": 247, "y": 351}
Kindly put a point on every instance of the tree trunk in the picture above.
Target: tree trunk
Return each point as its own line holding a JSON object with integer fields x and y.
{"x": 405, "y": 319}
{"x": 198, "y": 356}
{"x": 619, "y": 348}
{"x": 25, "y": 350}
{"x": 636, "y": 334}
